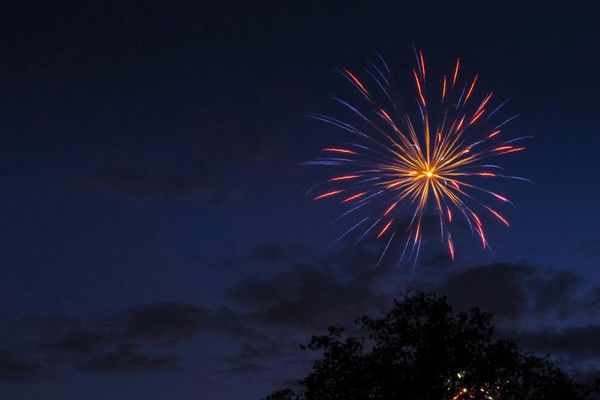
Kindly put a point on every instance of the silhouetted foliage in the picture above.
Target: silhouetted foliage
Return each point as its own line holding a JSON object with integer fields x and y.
{"x": 422, "y": 350}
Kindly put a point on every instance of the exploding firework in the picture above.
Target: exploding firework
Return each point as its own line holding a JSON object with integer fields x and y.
{"x": 482, "y": 393}
{"x": 479, "y": 392}
{"x": 435, "y": 157}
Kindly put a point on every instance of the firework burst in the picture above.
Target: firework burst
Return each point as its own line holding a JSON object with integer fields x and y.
{"x": 464, "y": 391}
{"x": 434, "y": 157}
{"x": 482, "y": 393}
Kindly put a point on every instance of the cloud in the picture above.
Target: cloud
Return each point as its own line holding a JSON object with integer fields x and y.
{"x": 496, "y": 288}
{"x": 553, "y": 292}
{"x": 276, "y": 252}
{"x": 155, "y": 324}
{"x": 83, "y": 342}
{"x": 575, "y": 342}
{"x": 170, "y": 322}
{"x": 513, "y": 291}
{"x": 126, "y": 358}
{"x": 337, "y": 287}
{"x": 438, "y": 259}
{"x": 247, "y": 368}
{"x": 537, "y": 307}
{"x": 124, "y": 342}
{"x": 303, "y": 297}
{"x": 270, "y": 311}
{"x": 311, "y": 295}
{"x": 263, "y": 256}
{"x": 213, "y": 156}
{"x": 13, "y": 369}
{"x": 129, "y": 341}
{"x": 340, "y": 286}
{"x": 248, "y": 351}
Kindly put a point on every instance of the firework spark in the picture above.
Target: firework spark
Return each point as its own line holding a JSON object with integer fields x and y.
{"x": 478, "y": 392}
{"x": 431, "y": 158}
{"x": 474, "y": 394}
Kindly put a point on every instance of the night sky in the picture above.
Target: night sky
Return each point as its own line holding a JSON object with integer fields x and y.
{"x": 156, "y": 240}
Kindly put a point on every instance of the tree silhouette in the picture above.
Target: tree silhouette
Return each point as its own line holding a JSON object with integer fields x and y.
{"x": 422, "y": 350}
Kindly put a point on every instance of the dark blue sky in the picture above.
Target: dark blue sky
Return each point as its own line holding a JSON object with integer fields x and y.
{"x": 156, "y": 241}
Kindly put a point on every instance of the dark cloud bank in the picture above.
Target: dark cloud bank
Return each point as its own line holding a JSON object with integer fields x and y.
{"x": 268, "y": 314}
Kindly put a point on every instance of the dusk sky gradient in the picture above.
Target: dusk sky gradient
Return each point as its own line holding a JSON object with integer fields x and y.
{"x": 156, "y": 239}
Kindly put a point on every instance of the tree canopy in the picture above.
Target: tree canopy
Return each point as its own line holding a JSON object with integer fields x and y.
{"x": 423, "y": 350}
